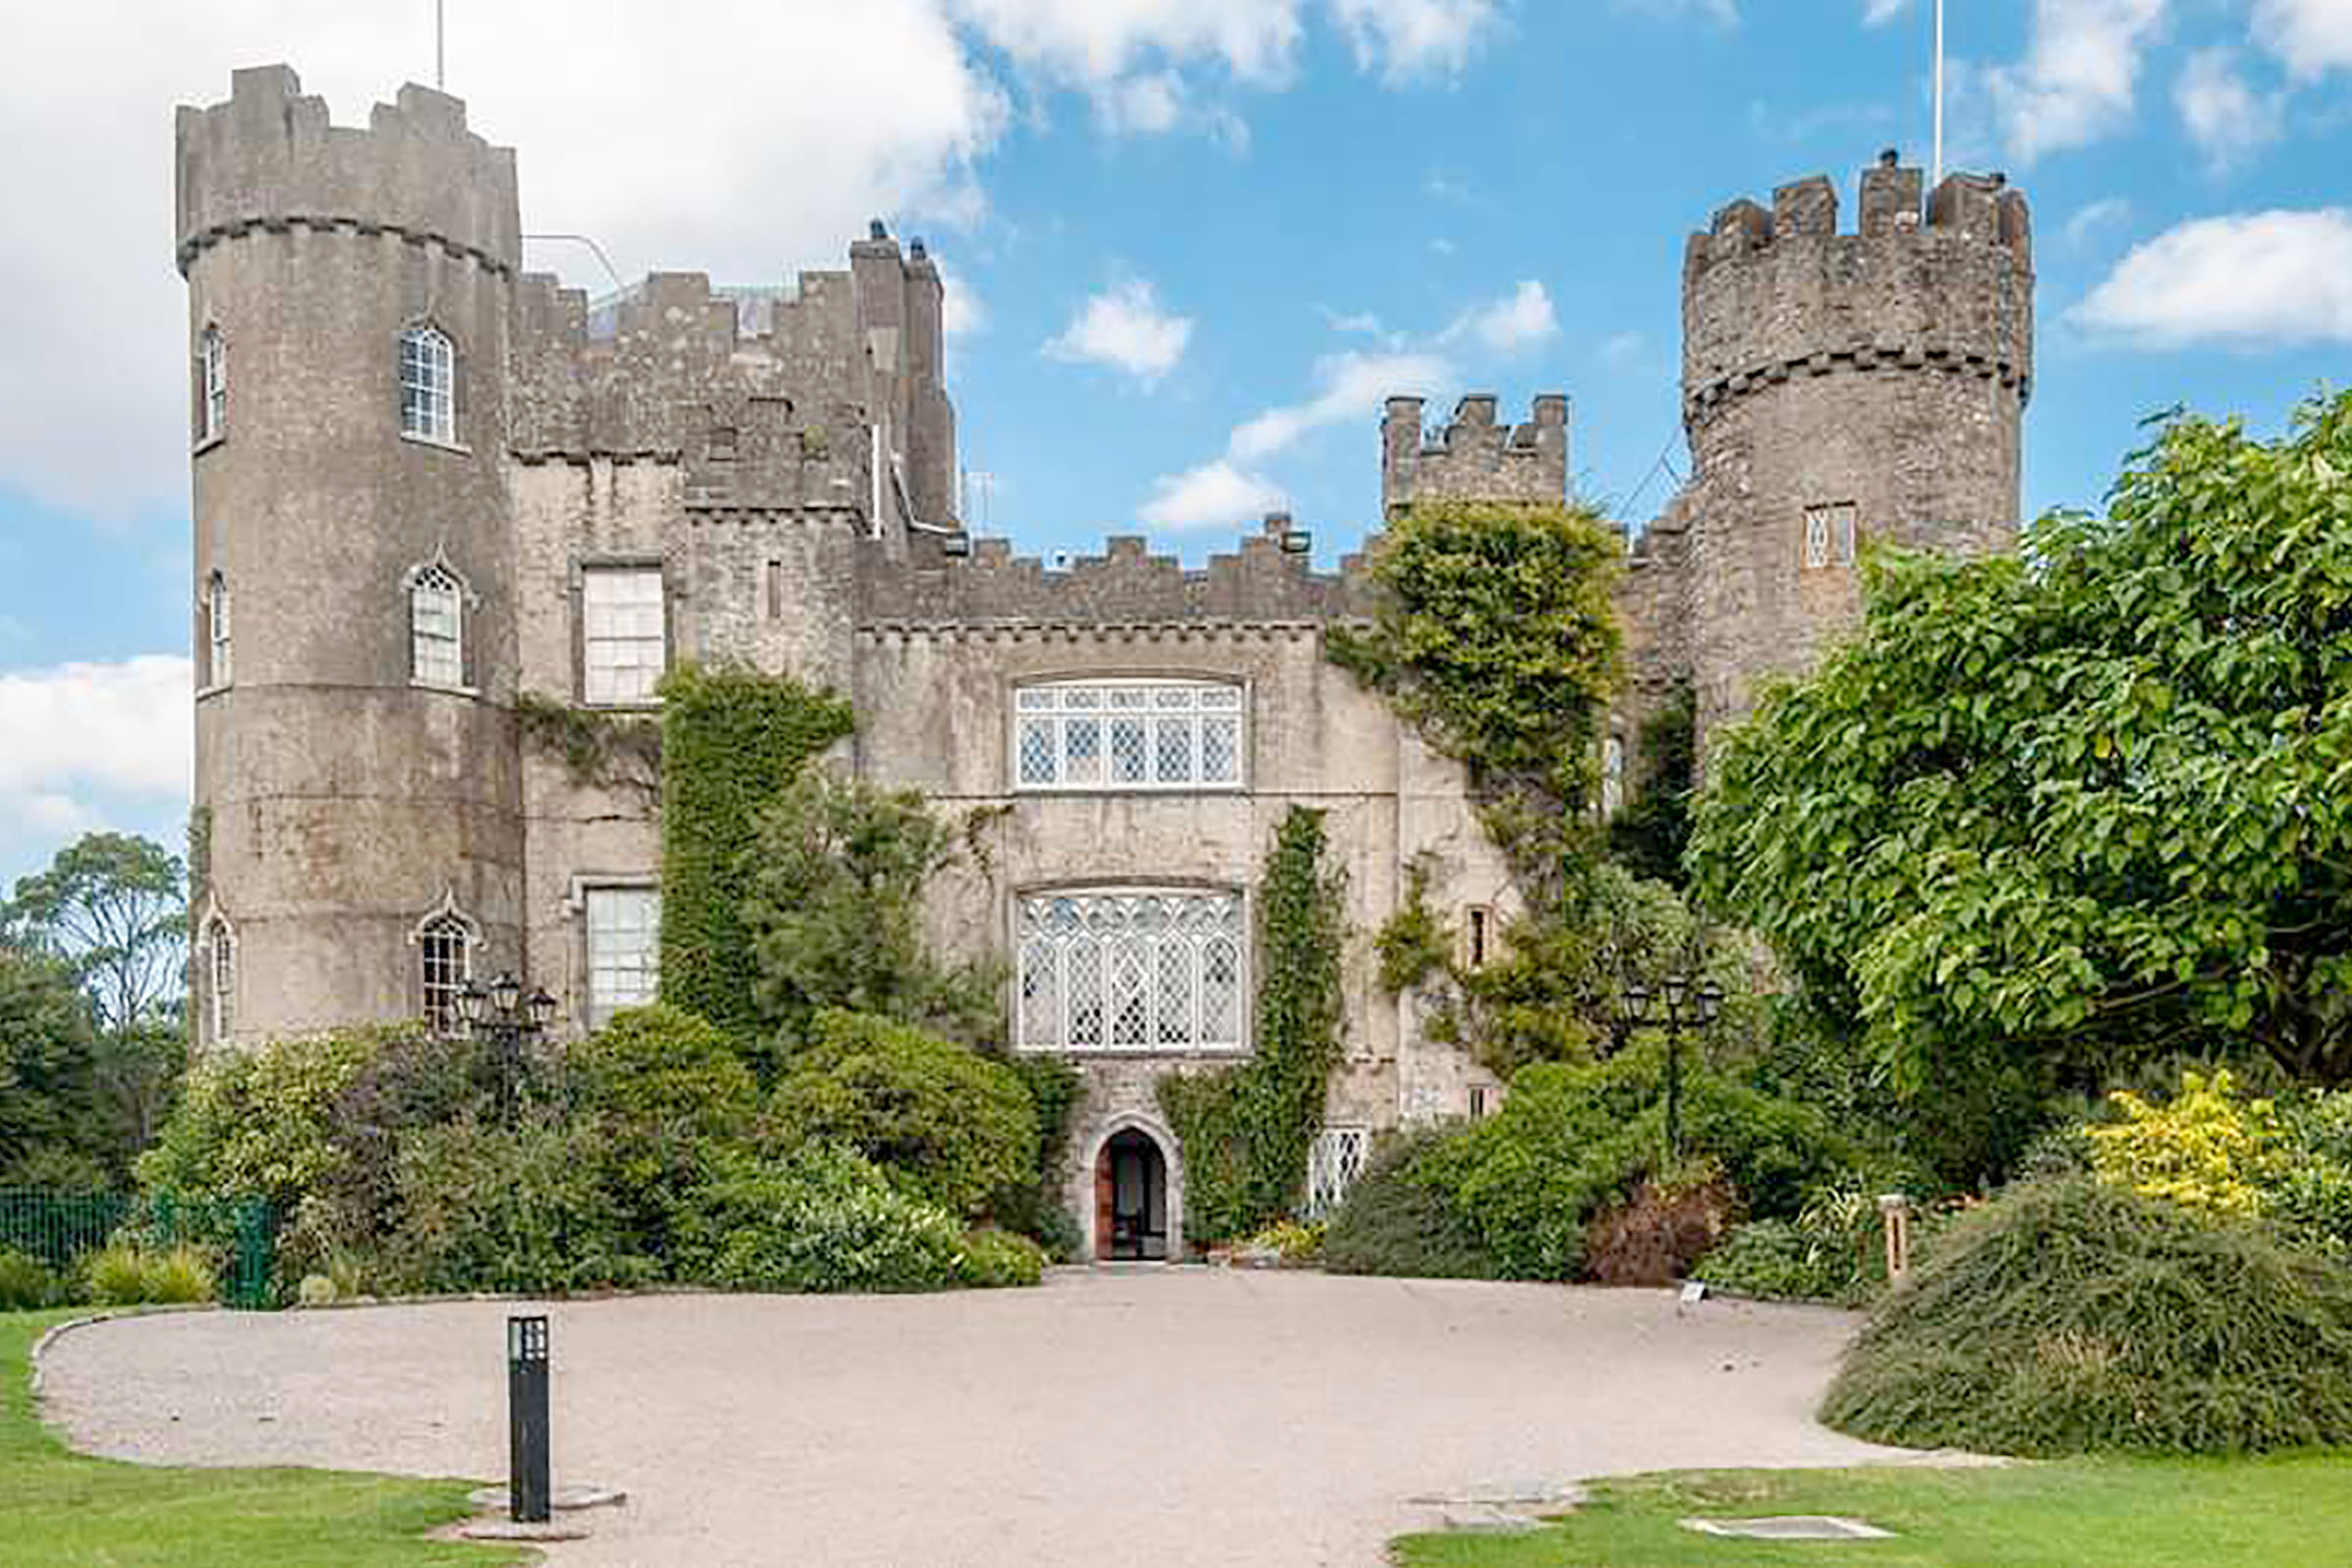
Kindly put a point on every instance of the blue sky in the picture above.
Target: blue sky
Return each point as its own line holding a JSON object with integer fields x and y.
{"x": 1193, "y": 243}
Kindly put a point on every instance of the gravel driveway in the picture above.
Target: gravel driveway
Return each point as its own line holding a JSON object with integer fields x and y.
{"x": 1155, "y": 1416}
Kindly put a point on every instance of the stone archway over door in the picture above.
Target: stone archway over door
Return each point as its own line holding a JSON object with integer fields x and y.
{"x": 1132, "y": 1207}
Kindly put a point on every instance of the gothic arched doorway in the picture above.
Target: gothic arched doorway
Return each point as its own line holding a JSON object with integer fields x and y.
{"x": 1131, "y": 1199}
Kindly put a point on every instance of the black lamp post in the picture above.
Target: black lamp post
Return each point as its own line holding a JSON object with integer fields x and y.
{"x": 501, "y": 1015}
{"x": 1677, "y": 1005}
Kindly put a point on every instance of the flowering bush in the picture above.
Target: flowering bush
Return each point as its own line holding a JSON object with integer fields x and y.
{"x": 2207, "y": 1149}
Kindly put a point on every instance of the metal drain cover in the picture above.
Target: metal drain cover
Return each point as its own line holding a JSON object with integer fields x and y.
{"x": 1789, "y": 1527}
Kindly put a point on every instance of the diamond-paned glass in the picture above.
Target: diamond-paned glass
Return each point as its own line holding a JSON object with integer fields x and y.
{"x": 1333, "y": 1163}
{"x": 436, "y": 608}
{"x": 1130, "y": 969}
{"x": 1129, "y": 735}
{"x": 624, "y": 642}
{"x": 1829, "y": 535}
{"x": 624, "y": 939}
{"x": 429, "y": 385}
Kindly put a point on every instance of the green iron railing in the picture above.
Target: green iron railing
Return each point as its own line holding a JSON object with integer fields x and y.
{"x": 58, "y": 1229}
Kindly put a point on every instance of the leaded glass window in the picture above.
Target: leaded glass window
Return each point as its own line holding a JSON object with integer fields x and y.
{"x": 429, "y": 385}
{"x": 1130, "y": 969}
{"x": 1830, "y": 536}
{"x": 445, "y": 945}
{"x": 1333, "y": 1163}
{"x": 1128, "y": 734}
{"x": 436, "y": 631}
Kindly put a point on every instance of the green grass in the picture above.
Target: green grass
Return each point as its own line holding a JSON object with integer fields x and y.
{"x": 2288, "y": 1511}
{"x": 60, "y": 1509}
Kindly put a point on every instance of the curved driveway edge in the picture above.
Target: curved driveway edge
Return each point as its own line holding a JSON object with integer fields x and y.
{"x": 1155, "y": 1416}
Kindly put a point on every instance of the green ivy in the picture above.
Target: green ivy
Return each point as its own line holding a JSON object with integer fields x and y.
{"x": 602, "y": 750}
{"x": 1649, "y": 836}
{"x": 1415, "y": 943}
{"x": 731, "y": 737}
{"x": 1246, "y": 1130}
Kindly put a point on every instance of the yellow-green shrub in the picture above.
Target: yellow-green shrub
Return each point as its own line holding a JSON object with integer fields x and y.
{"x": 2205, "y": 1148}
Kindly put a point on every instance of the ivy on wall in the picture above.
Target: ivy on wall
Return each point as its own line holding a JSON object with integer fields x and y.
{"x": 600, "y": 750}
{"x": 1647, "y": 838}
{"x": 731, "y": 737}
{"x": 1246, "y": 1130}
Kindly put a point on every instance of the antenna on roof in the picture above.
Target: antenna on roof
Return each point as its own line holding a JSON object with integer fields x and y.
{"x": 1937, "y": 179}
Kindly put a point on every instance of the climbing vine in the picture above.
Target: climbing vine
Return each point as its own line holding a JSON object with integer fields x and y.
{"x": 1649, "y": 836}
{"x": 731, "y": 739}
{"x": 600, "y": 750}
{"x": 1246, "y": 1130}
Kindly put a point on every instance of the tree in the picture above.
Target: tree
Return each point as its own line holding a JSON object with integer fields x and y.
{"x": 47, "y": 1067}
{"x": 2091, "y": 802}
{"x": 113, "y": 907}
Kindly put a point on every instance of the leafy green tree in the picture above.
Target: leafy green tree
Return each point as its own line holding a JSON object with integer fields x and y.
{"x": 113, "y": 908}
{"x": 48, "y": 1066}
{"x": 1649, "y": 836}
{"x": 2062, "y": 810}
{"x": 835, "y": 914}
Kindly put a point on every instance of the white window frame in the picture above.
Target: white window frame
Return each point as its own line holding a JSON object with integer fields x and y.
{"x": 218, "y": 948}
{"x": 1829, "y": 535}
{"x": 598, "y": 1009}
{"x": 429, "y": 385}
{"x": 220, "y": 667}
{"x": 1051, "y": 719}
{"x": 438, "y": 578}
{"x": 1120, "y": 953}
{"x": 1335, "y": 1161}
{"x": 601, "y": 677}
{"x": 212, "y": 386}
{"x": 447, "y": 924}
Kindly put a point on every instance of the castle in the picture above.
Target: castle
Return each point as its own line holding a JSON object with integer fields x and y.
{"x": 427, "y": 483}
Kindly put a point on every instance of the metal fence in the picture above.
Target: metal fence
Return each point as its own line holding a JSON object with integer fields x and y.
{"x": 58, "y": 1229}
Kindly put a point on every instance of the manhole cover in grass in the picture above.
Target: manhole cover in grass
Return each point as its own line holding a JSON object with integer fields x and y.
{"x": 1789, "y": 1527}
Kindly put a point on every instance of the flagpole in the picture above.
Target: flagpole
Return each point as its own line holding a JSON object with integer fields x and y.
{"x": 1938, "y": 178}
{"x": 441, "y": 63}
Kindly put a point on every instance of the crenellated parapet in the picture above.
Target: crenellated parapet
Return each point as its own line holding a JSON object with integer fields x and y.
{"x": 1271, "y": 579}
{"x": 1946, "y": 289}
{"x": 269, "y": 159}
{"x": 1473, "y": 457}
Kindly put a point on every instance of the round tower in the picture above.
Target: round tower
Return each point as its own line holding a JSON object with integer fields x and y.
{"x": 1841, "y": 389}
{"x": 356, "y": 784}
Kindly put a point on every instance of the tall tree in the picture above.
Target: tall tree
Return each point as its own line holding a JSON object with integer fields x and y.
{"x": 48, "y": 1099}
{"x": 2092, "y": 802}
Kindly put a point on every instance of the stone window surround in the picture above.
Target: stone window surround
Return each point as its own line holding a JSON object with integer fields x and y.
{"x": 216, "y": 951}
{"x": 454, "y": 441}
{"x": 437, "y": 922}
{"x": 1113, "y": 883}
{"x": 469, "y": 601}
{"x": 1245, "y": 760}
{"x": 582, "y": 563}
{"x": 575, "y": 911}
{"x": 217, "y": 643}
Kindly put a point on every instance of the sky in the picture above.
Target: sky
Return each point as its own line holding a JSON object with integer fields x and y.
{"x": 1192, "y": 244}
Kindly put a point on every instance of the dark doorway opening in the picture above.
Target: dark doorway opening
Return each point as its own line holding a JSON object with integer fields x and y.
{"x": 1131, "y": 1199}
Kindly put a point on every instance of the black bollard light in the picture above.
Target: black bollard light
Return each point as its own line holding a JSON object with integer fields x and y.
{"x": 528, "y": 1494}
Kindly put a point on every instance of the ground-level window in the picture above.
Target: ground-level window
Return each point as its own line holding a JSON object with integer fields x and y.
{"x": 1131, "y": 970}
{"x": 623, "y": 638}
{"x": 1333, "y": 1163}
{"x": 445, "y": 946}
{"x": 1128, "y": 734}
{"x": 436, "y": 627}
{"x": 624, "y": 927}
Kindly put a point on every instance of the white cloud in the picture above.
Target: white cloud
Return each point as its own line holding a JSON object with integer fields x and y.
{"x": 2080, "y": 77}
{"x": 1404, "y": 39}
{"x": 1095, "y": 43}
{"x": 2084, "y": 224}
{"x": 1505, "y": 326}
{"x": 1624, "y": 349}
{"x": 1215, "y": 495}
{"x": 2224, "y": 116}
{"x": 2248, "y": 279}
{"x": 80, "y": 730}
{"x": 962, "y": 313}
{"x": 1348, "y": 386}
{"x": 2311, "y": 37}
{"x": 93, "y": 390}
{"x": 1723, "y": 12}
{"x": 1877, "y": 13}
{"x": 1125, "y": 328}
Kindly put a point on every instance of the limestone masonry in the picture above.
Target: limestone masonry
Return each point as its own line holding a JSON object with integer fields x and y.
{"x": 427, "y": 483}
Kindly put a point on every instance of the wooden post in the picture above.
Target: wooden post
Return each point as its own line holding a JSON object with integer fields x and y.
{"x": 1894, "y": 1209}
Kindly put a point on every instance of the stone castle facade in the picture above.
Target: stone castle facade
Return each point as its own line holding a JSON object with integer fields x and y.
{"x": 427, "y": 483}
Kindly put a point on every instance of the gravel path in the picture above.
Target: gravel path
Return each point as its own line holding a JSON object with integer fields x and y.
{"x": 1146, "y": 1417}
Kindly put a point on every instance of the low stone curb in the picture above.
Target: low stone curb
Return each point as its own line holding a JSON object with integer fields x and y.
{"x": 58, "y": 1331}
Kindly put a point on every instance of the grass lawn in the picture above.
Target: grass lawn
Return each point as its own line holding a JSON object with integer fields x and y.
{"x": 2288, "y": 1512}
{"x": 59, "y": 1510}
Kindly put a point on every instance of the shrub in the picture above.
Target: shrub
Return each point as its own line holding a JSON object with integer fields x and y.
{"x": 994, "y": 1260}
{"x": 26, "y": 1284}
{"x": 652, "y": 1089}
{"x": 1293, "y": 1241}
{"x": 123, "y": 1274}
{"x": 1666, "y": 1227}
{"x": 2079, "y": 1316}
{"x": 820, "y": 1219}
{"x": 946, "y": 1126}
{"x": 1038, "y": 1210}
{"x": 261, "y": 1123}
{"x": 2206, "y": 1148}
{"x": 2308, "y": 1188}
{"x": 507, "y": 1209}
{"x": 315, "y": 1290}
{"x": 1393, "y": 1224}
{"x": 1835, "y": 1251}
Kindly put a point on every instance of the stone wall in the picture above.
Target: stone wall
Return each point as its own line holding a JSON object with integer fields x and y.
{"x": 1473, "y": 457}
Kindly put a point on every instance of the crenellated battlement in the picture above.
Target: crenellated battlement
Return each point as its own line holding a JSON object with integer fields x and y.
{"x": 1945, "y": 287}
{"x": 1271, "y": 579}
{"x": 1473, "y": 457}
{"x": 268, "y": 158}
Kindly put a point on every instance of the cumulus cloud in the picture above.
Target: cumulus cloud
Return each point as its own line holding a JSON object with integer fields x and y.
{"x": 2224, "y": 116}
{"x": 1348, "y": 387}
{"x": 83, "y": 741}
{"x": 1725, "y": 12}
{"x": 1406, "y": 39}
{"x": 2310, "y": 37}
{"x": 1126, "y": 329}
{"x": 1877, "y": 13}
{"x": 1097, "y": 42}
{"x": 1215, "y": 495}
{"x": 2080, "y": 78}
{"x": 1512, "y": 323}
{"x": 2086, "y": 223}
{"x": 2249, "y": 281}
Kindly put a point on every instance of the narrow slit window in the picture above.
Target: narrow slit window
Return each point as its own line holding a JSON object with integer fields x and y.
{"x": 1478, "y": 936}
{"x": 212, "y": 386}
{"x": 218, "y": 664}
{"x": 221, "y": 974}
